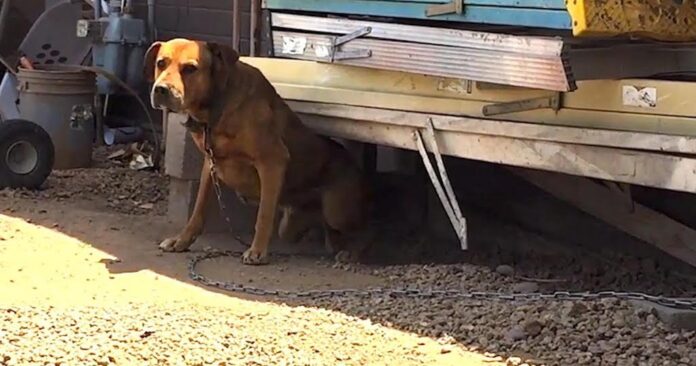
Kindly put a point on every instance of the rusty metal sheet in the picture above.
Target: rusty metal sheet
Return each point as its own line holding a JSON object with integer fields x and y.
{"x": 668, "y": 20}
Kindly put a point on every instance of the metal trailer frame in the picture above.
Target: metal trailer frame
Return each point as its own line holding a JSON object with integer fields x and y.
{"x": 586, "y": 18}
{"x": 604, "y": 137}
{"x": 601, "y": 131}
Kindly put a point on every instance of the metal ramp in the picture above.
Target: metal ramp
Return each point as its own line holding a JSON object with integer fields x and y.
{"x": 548, "y": 63}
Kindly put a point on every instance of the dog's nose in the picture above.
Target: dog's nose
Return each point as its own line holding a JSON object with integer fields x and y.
{"x": 161, "y": 91}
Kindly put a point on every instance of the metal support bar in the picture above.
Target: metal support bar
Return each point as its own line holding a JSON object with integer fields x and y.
{"x": 254, "y": 17}
{"x": 443, "y": 189}
{"x": 353, "y": 54}
{"x": 553, "y": 102}
{"x": 453, "y": 7}
{"x": 624, "y": 191}
{"x": 236, "y": 26}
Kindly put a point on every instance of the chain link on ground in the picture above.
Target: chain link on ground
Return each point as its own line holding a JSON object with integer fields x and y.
{"x": 678, "y": 303}
{"x": 671, "y": 302}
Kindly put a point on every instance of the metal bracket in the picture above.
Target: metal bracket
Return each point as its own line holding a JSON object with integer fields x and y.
{"x": 353, "y": 54}
{"x": 453, "y": 7}
{"x": 443, "y": 189}
{"x": 553, "y": 102}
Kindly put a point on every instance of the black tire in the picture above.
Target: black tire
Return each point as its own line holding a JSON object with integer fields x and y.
{"x": 26, "y": 154}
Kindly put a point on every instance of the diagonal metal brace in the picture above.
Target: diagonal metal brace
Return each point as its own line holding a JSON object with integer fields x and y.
{"x": 345, "y": 55}
{"x": 443, "y": 189}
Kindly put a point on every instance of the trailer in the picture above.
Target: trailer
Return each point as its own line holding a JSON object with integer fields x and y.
{"x": 583, "y": 100}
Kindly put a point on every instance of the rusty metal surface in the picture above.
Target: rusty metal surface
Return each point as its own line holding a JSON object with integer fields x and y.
{"x": 669, "y": 20}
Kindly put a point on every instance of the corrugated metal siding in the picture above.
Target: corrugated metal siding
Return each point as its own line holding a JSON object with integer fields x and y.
{"x": 209, "y": 20}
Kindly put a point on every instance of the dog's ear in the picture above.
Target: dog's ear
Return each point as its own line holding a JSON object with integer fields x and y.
{"x": 223, "y": 57}
{"x": 149, "y": 61}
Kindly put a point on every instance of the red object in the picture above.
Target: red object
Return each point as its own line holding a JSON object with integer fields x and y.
{"x": 25, "y": 63}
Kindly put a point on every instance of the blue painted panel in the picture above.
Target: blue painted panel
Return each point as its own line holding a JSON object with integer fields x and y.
{"x": 524, "y": 17}
{"x": 539, "y": 4}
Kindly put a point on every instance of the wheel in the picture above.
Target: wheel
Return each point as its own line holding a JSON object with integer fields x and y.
{"x": 26, "y": 154}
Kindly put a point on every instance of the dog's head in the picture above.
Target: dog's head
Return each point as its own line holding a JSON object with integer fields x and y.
{"x": 186, "y": 74}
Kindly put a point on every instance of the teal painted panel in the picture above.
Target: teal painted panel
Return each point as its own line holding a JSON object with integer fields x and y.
{"x": 514, "y": 16}
{"x": 540, "y": 4}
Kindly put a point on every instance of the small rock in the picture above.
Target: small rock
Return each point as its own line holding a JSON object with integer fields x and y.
{"x": 525, "y": 287}
{"x": 515, "y": 334}
{"x": 505, "y": 270}
{"x": 576, "y": 309}
{"x": 147, "y": 206}
{"x": 533, "y": 328}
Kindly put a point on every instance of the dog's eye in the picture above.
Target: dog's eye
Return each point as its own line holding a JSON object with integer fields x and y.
{"x": 188, "y": 69}
{"x": 161, "y": 64}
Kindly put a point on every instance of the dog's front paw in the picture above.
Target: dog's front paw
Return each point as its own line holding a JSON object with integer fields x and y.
{"x": 175, "y": 244}
{"x": 254, "y": 257}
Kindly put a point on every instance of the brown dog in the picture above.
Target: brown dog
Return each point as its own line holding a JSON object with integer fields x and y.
{"x": 261, "y": 148}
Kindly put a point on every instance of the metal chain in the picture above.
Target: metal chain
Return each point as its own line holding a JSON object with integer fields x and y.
{"x": 678, "y": 303}
{"x": 397, "y": 292}
{"x": 216, "y": 182}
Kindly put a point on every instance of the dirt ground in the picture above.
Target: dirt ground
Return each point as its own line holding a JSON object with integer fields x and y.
{"x": 84, "y": 283}
{"x": 88, "y": 287}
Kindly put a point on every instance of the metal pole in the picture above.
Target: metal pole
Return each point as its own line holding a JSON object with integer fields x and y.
{"x": 254, "y": 15}
{"x": 97, "y": 9}
{"x": 236, "y": 25}
{"x": 151, "y": 20}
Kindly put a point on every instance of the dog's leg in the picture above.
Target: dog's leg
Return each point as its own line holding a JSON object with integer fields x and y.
{"x": 343, "y": 210}
{"x": 272, "y": 177}
{"x": 297, "y": 221}
{"x": 194, "y": 227}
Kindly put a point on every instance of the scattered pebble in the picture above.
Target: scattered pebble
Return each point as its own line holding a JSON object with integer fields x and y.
{"x": 558, "y": 332}
{"x": 525, "y": 288}
{"x": 505, "y": 270}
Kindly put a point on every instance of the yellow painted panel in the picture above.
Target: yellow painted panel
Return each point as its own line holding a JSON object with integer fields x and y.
{"x": 668, "y": 20}
{"x": 596, "y": 104}
{"x": 674, "y": 98}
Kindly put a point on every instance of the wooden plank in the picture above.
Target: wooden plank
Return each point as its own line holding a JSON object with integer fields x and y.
{"x": 639, "y": 221}
{"x": 526, "y": 131}
{"x": 525, "y": 17}
{"x": 596, "y": 104}
{"x": 620, "y": 165}
{"x": 682, "y": 126}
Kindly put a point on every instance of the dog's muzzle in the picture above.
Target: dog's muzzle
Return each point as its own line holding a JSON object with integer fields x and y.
{"x": 166, "y": 97}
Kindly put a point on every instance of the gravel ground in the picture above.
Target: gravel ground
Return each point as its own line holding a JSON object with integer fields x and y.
{"x": 73, "y": 302}
{"x": 109, "y": 184}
